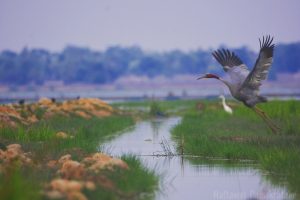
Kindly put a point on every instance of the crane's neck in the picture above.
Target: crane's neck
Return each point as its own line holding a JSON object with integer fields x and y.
{"x": 231, "y": 86}
{"x": 227, "y": 83}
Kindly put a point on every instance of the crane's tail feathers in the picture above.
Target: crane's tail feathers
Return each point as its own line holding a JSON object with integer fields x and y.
{"x": 262, "y": 99}
{"x": 274, "y": 128}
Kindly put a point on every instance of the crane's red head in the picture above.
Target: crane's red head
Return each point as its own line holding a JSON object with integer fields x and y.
{"x": 209, "y": 76}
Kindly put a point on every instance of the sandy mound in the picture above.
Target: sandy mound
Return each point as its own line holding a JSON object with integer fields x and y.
{"x": 13, "y": 114}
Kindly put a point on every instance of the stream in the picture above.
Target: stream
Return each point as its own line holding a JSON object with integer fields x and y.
{"x": 180, "y": 178}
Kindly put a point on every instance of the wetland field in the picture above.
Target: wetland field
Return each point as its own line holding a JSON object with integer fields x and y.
{"x": 52, "y": 150}
{"x": 87, "y": 149}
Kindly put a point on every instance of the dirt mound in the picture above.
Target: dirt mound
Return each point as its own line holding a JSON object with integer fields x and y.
{"x": 13, "y": 114}
{"x": 76, "y": 176}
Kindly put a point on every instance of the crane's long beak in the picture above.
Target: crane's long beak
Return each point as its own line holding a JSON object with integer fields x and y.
{"x": 201, "y": 77}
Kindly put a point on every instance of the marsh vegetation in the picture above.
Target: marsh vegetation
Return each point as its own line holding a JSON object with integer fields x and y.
{"x": 47, "y": 136}
{"x": 212, "y": 133}
{"x": 58, "y": 156}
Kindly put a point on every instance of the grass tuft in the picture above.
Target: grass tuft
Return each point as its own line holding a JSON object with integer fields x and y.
{"x": 243, "y": 135}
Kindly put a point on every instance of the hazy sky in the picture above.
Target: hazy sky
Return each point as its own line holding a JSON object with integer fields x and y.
{"x": 152, "y": 24}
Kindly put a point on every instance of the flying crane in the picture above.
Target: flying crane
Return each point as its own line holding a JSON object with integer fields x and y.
{"x": 244, "y": 84}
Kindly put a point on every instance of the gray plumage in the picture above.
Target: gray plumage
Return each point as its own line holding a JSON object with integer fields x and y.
{"x": 243, "y": 84}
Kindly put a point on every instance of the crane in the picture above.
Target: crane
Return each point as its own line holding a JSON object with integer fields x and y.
{"x": 225, "y": 106}
{"x": 244, "y": 84}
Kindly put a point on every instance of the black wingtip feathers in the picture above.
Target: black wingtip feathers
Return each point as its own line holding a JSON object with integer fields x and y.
{"x": 267, "y": 46}
{"x": 226, "y": 58}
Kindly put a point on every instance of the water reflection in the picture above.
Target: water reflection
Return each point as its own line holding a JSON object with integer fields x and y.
{"x": 155, "y": 126}
{"x": 181, "y": 179}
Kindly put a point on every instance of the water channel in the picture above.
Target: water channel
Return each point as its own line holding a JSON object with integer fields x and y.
{"x": 181, "y": 179}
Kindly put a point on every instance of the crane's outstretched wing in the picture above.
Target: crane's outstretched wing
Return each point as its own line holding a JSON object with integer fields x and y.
{"x": 233, "y": 65}
{"x": 262, "y": 65}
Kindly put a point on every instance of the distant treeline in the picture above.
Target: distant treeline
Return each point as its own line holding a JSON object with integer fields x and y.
{"x": 82, "y": 65}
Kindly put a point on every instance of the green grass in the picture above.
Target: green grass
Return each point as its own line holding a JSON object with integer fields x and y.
{"x": 15, "y": 186}
{"x": 212, "y": 132}
{"x": 136, "y": 183}
{"x": 88, "y": 135}
{"x": 140, "y": 181}
{"x": 27, "y": 134}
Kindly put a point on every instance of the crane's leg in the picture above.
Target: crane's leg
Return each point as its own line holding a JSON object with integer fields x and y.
{"x": 267, "y": 117}
{"x": 268, "y": 121}
{"x": 272, "y": 125}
